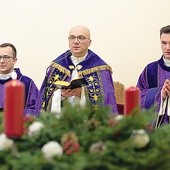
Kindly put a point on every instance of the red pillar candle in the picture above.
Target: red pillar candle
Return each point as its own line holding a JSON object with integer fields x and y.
{"x": 132, "y": 99}
{"x": 14, "y": 108}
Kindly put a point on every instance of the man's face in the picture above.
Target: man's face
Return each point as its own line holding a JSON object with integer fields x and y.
{"x": 79, "y": 41}
{"x": 165, "y": 45}
{"x": 7, "y": 61}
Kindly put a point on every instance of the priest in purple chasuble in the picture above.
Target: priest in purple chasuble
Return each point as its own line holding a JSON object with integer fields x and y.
{"x": 154, "y": 80}
{"x": 8, "y": 58}
{"x": 31, "y": 92}
{"x": 97, "y": 73}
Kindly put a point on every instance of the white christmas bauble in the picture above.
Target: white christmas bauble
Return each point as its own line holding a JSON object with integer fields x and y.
{"x": 35, "y": 128}
{"x": 139, "y": 138}
{"x": 52, "y": 149}
{"x": 5, "y": 143}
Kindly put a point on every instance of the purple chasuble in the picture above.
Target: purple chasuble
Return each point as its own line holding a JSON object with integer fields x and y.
{"x": 31, "y": 93}
{"x": 151, "y": 82}
{"x": 100, "y": 89}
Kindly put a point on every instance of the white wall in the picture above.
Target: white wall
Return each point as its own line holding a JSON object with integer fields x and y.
{"x": 125, "y": 33}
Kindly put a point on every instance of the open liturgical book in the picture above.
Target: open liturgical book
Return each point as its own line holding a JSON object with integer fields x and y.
{"x": 75, "y": 83}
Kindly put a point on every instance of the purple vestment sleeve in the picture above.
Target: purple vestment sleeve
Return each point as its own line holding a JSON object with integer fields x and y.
{"x": 149, "y": 96}
{"x": 31, "y": 100}
{"x": 108, "y": 90}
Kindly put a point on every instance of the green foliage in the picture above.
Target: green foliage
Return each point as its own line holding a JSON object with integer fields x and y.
{"x": 91, "y": 126}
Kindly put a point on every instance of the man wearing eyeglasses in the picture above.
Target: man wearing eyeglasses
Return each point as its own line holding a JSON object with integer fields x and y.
{"x": 8, "y": 58}
{"x": 75, "y": 63}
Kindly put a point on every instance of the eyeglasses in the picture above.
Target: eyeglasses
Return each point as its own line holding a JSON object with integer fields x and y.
{"x": 80, "y": 38}
{"x": 6, "y": 57}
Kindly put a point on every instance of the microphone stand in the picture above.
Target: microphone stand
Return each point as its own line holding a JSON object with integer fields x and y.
{"x": 46, "y": 88}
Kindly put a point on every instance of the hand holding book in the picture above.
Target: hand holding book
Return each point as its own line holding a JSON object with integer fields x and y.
{"x": 75, "y": 83}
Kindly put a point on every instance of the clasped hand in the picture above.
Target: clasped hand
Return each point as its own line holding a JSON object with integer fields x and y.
{"x": 71, "y": 92}
{"x": 165, "y": 91}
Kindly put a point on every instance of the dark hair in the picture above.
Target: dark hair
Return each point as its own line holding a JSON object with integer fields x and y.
{"x": 10, "y": 45}
{"x": 165, "y": 30}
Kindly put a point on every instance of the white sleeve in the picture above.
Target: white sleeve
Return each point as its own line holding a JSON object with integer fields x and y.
{"x": 83, "y": 98}
{"x": 56, "y": 102}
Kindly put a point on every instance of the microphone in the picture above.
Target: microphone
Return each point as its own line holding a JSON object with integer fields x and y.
{"x": 67, "y": 54}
